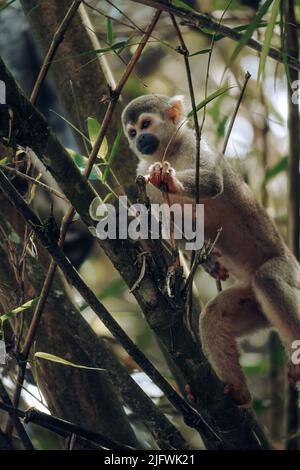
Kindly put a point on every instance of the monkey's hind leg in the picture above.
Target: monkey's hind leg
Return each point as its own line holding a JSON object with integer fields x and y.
{"x": 276, "y": 286}
{"x": 232, "y": 314}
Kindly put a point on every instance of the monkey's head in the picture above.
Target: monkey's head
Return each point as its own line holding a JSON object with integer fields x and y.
{"x": 151, "y": 122}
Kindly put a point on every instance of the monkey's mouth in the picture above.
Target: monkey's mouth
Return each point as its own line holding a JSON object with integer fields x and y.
{"x": 147, "y": 144}
{"x": 149, "y": 149}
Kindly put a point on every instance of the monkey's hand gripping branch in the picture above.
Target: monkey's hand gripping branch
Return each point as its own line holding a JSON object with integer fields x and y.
{"x": 162, "y": 175}
{"x": 213, "y": 267}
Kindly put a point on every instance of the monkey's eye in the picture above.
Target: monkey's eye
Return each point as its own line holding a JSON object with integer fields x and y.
{"x": 132, "y": 133}
{"x": 145, "y": 124}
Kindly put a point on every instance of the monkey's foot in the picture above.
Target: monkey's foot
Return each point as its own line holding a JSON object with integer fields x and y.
{"x": 293, "y": 373}
{"x": 162, "y": 175}
{"x": 189, "y": 394}
{"x": 215, "y": 269}
{"x": 240, "y": 395}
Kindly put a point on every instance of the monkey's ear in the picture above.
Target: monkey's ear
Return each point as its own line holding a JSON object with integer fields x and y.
{"x": 176, "y": 108}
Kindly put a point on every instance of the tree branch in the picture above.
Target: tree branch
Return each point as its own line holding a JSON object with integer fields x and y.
{"x": 57, "y": 39}
{"x": 17, "y": 423}
{"x": 63, "y": 427}
{"x": 197, "y": 20}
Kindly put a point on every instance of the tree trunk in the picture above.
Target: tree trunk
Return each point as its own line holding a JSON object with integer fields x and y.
{"x": 79, "y": 80}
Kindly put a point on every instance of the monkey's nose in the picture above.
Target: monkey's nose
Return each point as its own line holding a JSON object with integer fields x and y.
{"x": 147, "y": 143}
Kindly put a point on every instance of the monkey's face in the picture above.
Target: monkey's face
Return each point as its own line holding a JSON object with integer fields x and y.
{"x": 145, "y": 136}
{"x": 149, "y": 124}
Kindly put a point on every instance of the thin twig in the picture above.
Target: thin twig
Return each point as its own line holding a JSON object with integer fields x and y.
{"x": 218, "y": 283}
{"x": 63, "y": 427}
{"x": 200, "y": 21}
{"x": 184, "y": 50}
{"x": 205, "y": 251}
{"x": 57, "y": 39}
{"x": 133, "y": 25}
{"x": 16, "y": 420}
{"x": 198, "y": 131}
{"x": 37, "y": 182}
{"x": 247, "y": 78}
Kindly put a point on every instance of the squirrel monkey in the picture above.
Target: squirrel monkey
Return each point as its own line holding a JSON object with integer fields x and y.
{"x": 267, "y": 288}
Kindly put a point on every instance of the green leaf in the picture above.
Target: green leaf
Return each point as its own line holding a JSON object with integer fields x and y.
{"x": 22, "y": 308}
{"x": 115, "y": 289}
{"x": 113, "y": 154}
{"x": 60, "y": 360}
{"x": 5, "y": 161}
{"x": 96, "y": 202}
{"x": 110, "y": 34}
{"x": 113, "y": 47}
{"x": 222, "y": 126}
{"x": 92, "y": 230}
{"x": 81, "y": 162}
{"x": 93, "y": 130}
{"x": 260, "y": 406}
{"x": 203, "y": 51}
{"x": 239, "y": 29}
{"x": 214, "y": 110}
{"x": 250, "y": 30}
{"x": 211, "y": 97}
{"x": 292, "y": 436}
{"x": 219, "y": 5}
{"x": 15, "y": 238}
{"x": 268, "y": 37}
{"x": 71, "y": 125}
{"x": 108, "y": 196}
{"x": 77, "y": 157}
{"x": 279, "y": 167}
{"x": 256, "y": 369}
{"x": 254, "y": 364}
{"x": 182, "y": 5}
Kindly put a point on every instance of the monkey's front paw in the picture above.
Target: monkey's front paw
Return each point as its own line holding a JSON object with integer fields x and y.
{"x": 162, "y": 175}
{"x": 240, "y": 394}
{"x": 215, "y": 269}
{"x": 293, "y": 373}
{"x": 222, "y": 273}
{"x": 189, "y": 394}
